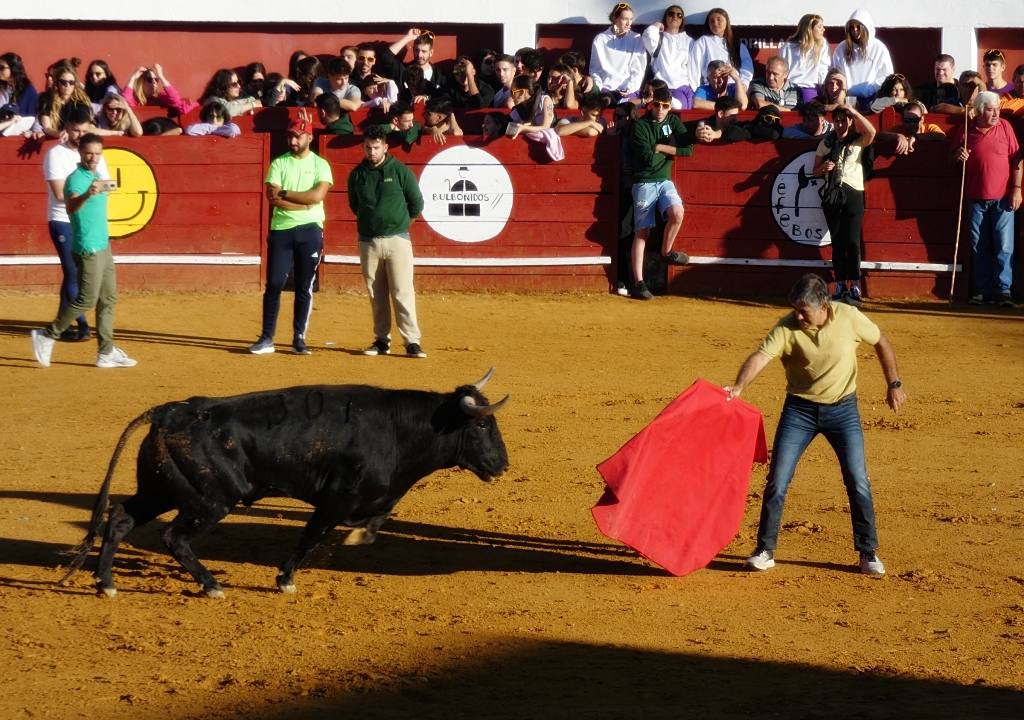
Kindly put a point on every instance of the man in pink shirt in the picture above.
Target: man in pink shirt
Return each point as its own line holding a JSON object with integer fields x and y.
{"x": 992, "y": 194}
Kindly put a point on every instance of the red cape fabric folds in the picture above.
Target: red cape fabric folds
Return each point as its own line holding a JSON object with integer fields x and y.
{"x": 676, "y": 491}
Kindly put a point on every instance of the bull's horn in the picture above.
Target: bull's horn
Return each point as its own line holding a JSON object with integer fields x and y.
{"x": 479, "y": 384}
{"x": 470, "y": 407}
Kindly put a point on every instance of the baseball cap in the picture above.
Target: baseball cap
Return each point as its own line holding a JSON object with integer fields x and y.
{"x": 300, "y": 125}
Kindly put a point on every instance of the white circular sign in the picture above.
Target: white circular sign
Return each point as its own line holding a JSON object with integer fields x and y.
{"x": 796, "y": 204}
{"x": 467, "y": 194}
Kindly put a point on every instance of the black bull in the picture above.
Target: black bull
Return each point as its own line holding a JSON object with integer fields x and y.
{"x": 350, "y": 451}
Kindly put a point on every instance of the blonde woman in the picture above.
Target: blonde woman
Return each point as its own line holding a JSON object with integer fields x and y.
{"x": 806, "y": 51}
{"x": 149, "y": 86}
{"x": 862, "y": 58}
{"x": 618, "y": 60}
{"x": 116, "y": 118}
{"x": 64, "y": 90}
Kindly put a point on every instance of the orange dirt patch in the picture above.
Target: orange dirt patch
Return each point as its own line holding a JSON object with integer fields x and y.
{"x": 503, "y": 600}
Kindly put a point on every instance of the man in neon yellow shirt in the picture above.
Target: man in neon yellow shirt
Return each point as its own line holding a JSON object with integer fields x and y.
{"x": 817, "y": 344}
{"x": 297, "y": 183}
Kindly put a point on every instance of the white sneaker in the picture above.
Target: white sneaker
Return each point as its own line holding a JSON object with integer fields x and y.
{"x": 763, "y": 560}
{"x": 42, "y": 347}
{"x": 116, "y": 358}
{"x": 871, "y": 565}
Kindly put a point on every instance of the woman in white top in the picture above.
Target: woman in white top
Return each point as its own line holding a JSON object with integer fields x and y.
{"x": 618, "y": 60}
{"x": 719, "y": 43}
{"x": 863, "y": 60}
{"x": 806, "y": 51}
{"x": 669, "y": 48}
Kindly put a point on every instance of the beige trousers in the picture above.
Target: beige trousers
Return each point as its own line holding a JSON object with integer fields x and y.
{"x": 387, "y": 269}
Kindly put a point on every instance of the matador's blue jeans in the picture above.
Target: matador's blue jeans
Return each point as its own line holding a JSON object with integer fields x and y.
{"x": 801, "y": 421}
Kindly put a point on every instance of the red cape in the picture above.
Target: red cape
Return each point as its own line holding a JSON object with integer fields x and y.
{"x": 676, "y": 491}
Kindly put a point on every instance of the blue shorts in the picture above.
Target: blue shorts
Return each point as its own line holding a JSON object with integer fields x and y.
{"x": 650, "y": 195}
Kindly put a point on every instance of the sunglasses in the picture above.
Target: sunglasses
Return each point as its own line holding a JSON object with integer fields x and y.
{"x": 771, "y": 119}
{"x": 5, "y": 67}
{"x": 661, "y": 103}
{"x": 368, "y": 58}
{"x": 151, "y": 78}
{"x": 427, "y": 34}
{"x": 66, "y": 83}
{"x": 899, "y": 76}
{"x": 911, "y": 119}
{"x": 622, "y": 6}
{"x": 674, "y": 13}
{"x": 234, "y": 83}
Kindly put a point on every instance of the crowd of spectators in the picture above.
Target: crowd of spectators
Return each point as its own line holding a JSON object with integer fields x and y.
{"x": 378, "y": 75}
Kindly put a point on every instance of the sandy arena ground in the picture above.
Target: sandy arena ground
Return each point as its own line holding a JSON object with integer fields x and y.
{"x": 503, "y": 600}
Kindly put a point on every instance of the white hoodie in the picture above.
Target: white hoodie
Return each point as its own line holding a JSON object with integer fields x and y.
{"x": 867, "y": 71}
{"x": 673, "y": 62}
{"x": 710, "y": 47}
{"x": 618, "y": 63}
{"x": 804, "y": 70}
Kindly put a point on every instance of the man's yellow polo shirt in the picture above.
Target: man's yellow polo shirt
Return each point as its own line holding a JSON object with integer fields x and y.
{"x": 821, "y": 364}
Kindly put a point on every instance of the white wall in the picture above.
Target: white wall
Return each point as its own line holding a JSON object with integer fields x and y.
{"x": 957, "y": 18}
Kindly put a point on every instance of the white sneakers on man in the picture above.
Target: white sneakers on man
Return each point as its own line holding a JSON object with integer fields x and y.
{"x": 116, "y": 358}
{"x": 871, "y": 565}
{"x": 42, "y": 347}
{"x": 761, "y": 560}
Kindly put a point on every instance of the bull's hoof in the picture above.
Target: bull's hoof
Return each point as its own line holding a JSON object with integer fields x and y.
{"x": 110, "y": 592}
{"x": 360, "y": 536}
{"x": 288, "y": 589}
{"x": 214, "y": 593}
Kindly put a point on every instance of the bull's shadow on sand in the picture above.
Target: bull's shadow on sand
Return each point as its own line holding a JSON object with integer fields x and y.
{"x": 402, "y": 547}
{"x": 514, "y": 678}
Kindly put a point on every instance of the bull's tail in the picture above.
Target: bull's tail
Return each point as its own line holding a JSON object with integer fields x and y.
{"x": 81, "y": 551}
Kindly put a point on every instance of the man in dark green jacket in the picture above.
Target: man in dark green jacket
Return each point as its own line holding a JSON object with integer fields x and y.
{"x": 656, "y": 138}
{"x": 385, "y": 197}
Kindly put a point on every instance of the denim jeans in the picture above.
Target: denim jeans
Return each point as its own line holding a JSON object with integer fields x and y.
{"x": 801, "y": 421}
{"x": 60, "y": 234}
{"x": 991, "y": 223}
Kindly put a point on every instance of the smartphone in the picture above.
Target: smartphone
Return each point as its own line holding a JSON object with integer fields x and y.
{"x": 511, "y": 129}
{"x": 108, "y": 185}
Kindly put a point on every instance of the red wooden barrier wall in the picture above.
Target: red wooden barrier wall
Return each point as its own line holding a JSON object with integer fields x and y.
{"x": 561, "y": 226}
{"x": 209, "y": 221}
{"x": 205, "y": 232}
{"x": 739, "y": 199}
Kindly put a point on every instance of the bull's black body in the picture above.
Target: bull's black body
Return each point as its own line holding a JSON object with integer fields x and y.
{"x": 350, "y": 451}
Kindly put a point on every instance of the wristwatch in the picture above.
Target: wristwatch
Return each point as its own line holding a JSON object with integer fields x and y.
{"x": 895, "y": 384}
{"x": 283, "y": 193}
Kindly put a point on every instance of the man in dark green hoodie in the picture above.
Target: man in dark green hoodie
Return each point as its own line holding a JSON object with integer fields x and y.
{"x": 656, "y": 138}
{"x": 385, "y": 197}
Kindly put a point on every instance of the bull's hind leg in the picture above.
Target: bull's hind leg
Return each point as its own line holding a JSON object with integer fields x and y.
{"x": 178, "y": 537}
{"x": 134, "y": 512}
{"x": 323, "y": 520}
{"x": 368, "y": 533}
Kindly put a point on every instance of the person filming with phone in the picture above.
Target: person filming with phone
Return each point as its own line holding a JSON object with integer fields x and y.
{"x": 85, "y": 196}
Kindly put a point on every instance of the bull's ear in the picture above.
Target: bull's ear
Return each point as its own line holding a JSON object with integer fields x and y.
{"x": 479, "y": 384}
{"x": 469, "y": 406}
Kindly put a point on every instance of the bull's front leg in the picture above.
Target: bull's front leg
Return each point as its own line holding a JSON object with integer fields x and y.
{"x": 323, "y": 520}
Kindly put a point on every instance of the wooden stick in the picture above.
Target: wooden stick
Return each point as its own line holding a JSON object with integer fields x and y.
{"x": 960, "y": 207}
